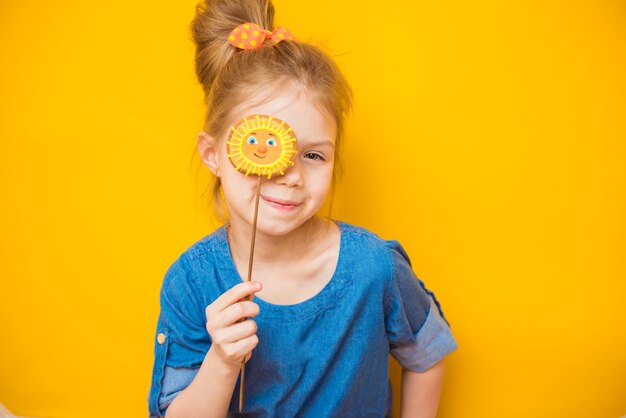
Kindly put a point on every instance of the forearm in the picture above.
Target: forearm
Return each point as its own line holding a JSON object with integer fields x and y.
{"x": 421, "y": 392}
{"x": 209, "y": 394}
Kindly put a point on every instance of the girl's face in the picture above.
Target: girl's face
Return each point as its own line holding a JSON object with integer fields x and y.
{"x": 290, "y": 200}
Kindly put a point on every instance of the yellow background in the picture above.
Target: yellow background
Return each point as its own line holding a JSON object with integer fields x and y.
{"x": 488, "y": 137}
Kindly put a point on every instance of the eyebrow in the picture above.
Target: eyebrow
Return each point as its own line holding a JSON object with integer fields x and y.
{"x": 319, "y": 143}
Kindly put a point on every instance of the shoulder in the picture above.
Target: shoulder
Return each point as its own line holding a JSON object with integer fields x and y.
{"x": 195, "y": 264}
{"x": 371, "y": 245}
{"x": 206, "y": 245}
{"x": 379, "y": 257}
{"x": 366, "y": 240}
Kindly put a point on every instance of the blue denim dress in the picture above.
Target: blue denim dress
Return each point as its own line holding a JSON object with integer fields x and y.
{"x": 324, "y": 357}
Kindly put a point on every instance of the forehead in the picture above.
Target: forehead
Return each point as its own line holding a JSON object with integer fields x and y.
{"x": 307, "y": 120}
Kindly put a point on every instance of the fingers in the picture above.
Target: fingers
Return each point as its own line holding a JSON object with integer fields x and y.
{"x": 234, "y": 333}
{"x": 234, "y": 313}
{"x": 234, "y": 352}
{"x": 232, "y": 296}
{"x": 233, "y": 336}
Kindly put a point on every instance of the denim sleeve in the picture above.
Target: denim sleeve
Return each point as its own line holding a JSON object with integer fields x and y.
{"x": 418, "y": 333}
{"x": 181, "y": 341}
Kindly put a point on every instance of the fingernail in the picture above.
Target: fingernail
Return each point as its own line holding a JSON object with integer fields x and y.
{"x": 257, "y": 285}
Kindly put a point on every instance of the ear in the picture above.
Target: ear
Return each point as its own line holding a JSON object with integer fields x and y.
{"x": 208, "y": 149}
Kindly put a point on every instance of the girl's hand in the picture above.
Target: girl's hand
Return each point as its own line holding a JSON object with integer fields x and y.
{"x": 233, "y": 340}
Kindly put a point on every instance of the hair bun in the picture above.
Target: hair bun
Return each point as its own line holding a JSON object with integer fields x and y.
{"x": 213, "y": 22}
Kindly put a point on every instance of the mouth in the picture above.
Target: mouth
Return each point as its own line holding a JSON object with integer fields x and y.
{"x": 254, "y": 153}
{"x": 285, "y": 205}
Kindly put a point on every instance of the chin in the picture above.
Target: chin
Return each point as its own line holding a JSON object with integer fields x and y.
{"x": 278, "y": 227}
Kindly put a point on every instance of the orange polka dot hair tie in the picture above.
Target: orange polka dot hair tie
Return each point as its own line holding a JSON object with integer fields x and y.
{"x": 250, "y": 36}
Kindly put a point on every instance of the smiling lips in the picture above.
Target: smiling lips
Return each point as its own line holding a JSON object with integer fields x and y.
{"x": 285, "y": 205}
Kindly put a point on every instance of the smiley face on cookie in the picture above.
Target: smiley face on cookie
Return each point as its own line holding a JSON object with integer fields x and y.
{"x": 261, "y": 145}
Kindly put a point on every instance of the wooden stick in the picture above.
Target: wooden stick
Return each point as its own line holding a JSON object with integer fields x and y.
{"x": 256, "y": 212}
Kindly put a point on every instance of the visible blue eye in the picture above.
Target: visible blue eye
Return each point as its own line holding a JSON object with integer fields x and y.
{"x": 271, "y": 142}
{"x": 252, "y": 140}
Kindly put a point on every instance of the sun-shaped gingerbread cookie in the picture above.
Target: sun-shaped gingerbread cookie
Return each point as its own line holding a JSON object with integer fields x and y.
{"x": 261, "y": 145}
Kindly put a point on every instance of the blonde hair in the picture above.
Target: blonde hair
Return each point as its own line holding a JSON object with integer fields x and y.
{"x": 229, "y": 76}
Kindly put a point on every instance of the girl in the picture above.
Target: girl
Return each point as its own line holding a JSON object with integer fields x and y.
{"x": 330, "y": 300}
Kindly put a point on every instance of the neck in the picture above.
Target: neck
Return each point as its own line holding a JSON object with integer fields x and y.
{"x": 272, "y": 249}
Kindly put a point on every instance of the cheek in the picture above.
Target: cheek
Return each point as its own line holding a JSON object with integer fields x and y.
{"x": 319, "y": 180}
{"x": 237, "y": 187}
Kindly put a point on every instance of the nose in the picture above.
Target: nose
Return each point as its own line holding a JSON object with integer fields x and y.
{"x": 292, "y": 177}
{"x": 262, "y": 149}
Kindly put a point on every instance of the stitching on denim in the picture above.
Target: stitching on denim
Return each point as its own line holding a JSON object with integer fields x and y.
{"x": 389, "y": 281}
{"x": 401, "y": 320}
{"x": 360, "y": 231}
{"x": 196, "y": 280}
{"x": 392, "y": 244}
{"x": 428, "y": 314}
{"x": 348, "y": 281}
{"x": 160, "y": 369}
{"x": 436, "y": 302}
{"x": 185, "y": 267}
{"x": 207, "y": 244}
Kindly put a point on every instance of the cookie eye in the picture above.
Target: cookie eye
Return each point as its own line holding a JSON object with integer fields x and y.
{"x": 271, "y": 142}
{"x": 252, "y": 140}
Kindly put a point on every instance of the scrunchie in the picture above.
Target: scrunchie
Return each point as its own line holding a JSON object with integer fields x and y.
{"x": 250, "y": 36}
